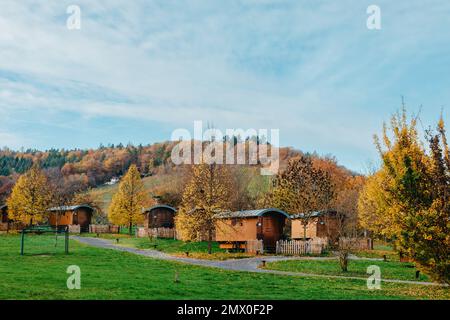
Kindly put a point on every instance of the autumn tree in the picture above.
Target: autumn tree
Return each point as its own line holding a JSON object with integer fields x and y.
{"x": 301, "y": 188}
{"x": 30, "y": 197}
{"x": 373, "y": 206}
{"x": 408, "y": 198}
{"x": 127, "y": 203}
{"x": 63, "y": 189}
{"x": 207, "y": 193}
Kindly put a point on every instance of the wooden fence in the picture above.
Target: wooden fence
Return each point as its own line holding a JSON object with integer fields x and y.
{"x": 4, "y": 226}
{"x": 254, "y": 246}
{"x": 168, "y": 233}
{"x": 103, "y": 228}
{"x": 300, "y": 247}
{"x": 73, "y": 228}
{"x": 11, "y": 226}
{"x": 356, "y": 243}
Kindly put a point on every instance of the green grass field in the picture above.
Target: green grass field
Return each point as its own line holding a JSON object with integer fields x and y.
{"x": 356, "y": 268}
{"x": 174, "y": 247}
{"x": 108, "y": 274}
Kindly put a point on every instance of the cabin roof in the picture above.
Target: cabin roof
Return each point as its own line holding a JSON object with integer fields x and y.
{"x": 3, "y": 206}
{"x": 159, "y": 206}
{"x": 313, "y": 214}
{"x": 70, "y": 208}
{"x": 248, "y": 213}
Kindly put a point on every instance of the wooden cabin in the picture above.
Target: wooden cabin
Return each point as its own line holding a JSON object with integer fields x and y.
{"x": 4, "y": 220}
{"x": 319, "y": 224}
{"x": 71, "y": 215}
{"x": 159, "y": 216}
{"x": 4, "y": 214}
{"x": 234, "y": 229}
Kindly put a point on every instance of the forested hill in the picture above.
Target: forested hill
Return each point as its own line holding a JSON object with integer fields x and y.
{"x": 93, "y": 167}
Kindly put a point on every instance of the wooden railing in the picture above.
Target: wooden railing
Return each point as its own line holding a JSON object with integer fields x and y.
{"x": 356, "y": 243}
{"x": 254, "y": 246}
{"x": 103, "y": 228}
{"x": 300, "y": 247}
{"x": 74, "y": 228}
{"x": 168, "y": 233}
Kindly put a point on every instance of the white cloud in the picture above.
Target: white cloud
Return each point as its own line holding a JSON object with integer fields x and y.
{"x": 315, "y": 72}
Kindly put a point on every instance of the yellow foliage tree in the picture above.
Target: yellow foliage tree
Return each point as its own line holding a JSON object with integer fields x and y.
{"x": 207, "y": 193}
{"x": 408, "y": 199}
{"x": 30, "y": 197}
{"x": 126, "y": 205}
{"x": 373, "y": 206}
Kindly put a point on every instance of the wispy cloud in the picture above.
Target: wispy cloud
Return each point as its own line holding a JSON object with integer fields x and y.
{"x": 311, "y": 69}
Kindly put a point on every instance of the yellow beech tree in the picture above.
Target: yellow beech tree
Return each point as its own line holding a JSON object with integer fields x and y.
{"x": 30, "y": 197}
{"x": 408, "y": 199}
{"x": 126, "y": 205}
{"x": 207, "y": 193}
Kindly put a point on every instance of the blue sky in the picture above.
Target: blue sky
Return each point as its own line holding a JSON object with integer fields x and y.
{"x": 137, "y": 70}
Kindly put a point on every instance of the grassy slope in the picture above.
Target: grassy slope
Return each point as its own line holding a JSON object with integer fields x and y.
{"x": 108, "y": 274}
{"x": 104, "y": 194}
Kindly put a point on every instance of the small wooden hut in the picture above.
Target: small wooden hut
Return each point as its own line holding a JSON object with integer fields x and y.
{"x": 234, "y": 229}
{"x": 319, "y": 224}
{"x": 71, "y": 215}
{"x": 159, "y": 216}
{"x": 4, "y": 220}
{"x": 4, "y": 214}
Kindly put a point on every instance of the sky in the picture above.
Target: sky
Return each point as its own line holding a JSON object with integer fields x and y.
{"x": 137, "y": 70}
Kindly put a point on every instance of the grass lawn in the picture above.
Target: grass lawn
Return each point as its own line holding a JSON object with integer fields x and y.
{"x": 109, "y": 274}
{"x": 356, "y": 268}
{"x": 380, "y": 249}
{"x": 175, "y": 247}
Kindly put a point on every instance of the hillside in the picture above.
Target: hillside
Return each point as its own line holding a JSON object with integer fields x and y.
{"x": 103, "y": 195}
{"x": 169, "y": 186}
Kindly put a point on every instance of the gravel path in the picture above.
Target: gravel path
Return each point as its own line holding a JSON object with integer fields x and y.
{"x": 247, "y": 264}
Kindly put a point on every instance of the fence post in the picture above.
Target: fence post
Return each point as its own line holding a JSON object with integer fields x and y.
{"x": 22, "y": 242}
{"x": 67, "y": 241}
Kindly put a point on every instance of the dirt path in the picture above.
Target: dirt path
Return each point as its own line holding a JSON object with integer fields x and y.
{"x": 247, "y": 264}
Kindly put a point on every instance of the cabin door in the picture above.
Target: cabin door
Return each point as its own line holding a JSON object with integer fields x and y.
{"x": 75, "y": 218}
{"x": 259, "y": 229}
{"x": 270, "y": 228}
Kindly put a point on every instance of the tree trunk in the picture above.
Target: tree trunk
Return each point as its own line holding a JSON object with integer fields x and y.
{"x": 31, "y": 222}
{"x": 209, "y": 241}
{"x": 129, "y": 228}
{"x": 343, "y": 261}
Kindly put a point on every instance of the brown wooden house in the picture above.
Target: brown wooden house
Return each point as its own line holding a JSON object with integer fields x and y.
{"x": 234, "y": 229}
{"x": 319, "y": 224}
{"x": 159, "y": 216}
{"x": 4, "y": 214}
{"x": 4, "y": 220}
{"x": 71, "y": 215}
